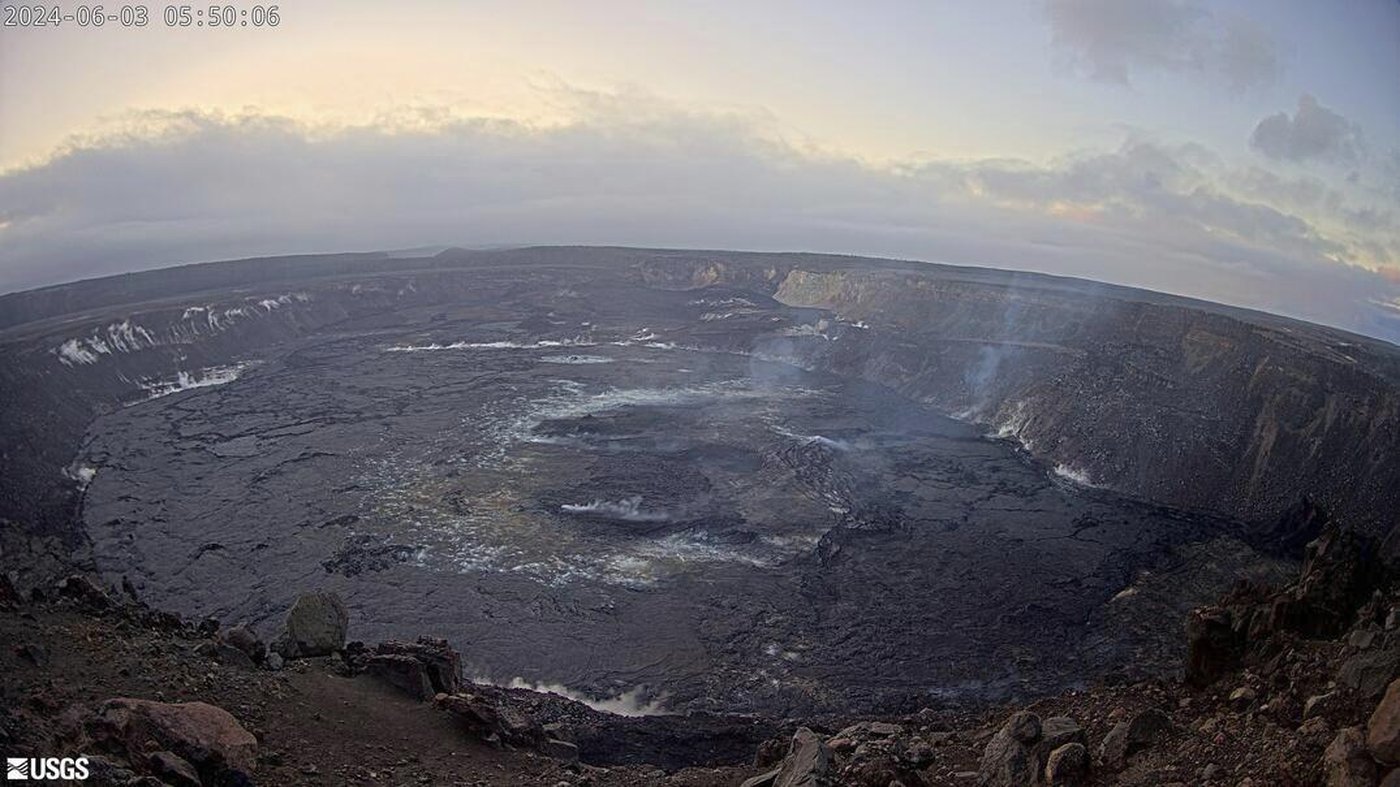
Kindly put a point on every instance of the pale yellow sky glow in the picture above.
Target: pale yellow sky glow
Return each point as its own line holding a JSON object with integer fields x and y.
{"x": 351, "y": 62}
{"x": 892, "y": 127}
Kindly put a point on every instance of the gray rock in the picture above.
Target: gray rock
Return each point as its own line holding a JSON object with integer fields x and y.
{"x": 1369, "y": 672}
{"x": 808, "y": 763}
{"x": 1010, "y": 759}
{"x": 1128, "y": 737}
{"x": 316, "y": 626}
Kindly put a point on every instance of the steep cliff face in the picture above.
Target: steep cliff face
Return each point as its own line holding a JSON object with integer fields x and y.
{"x": 1180, "y": 402}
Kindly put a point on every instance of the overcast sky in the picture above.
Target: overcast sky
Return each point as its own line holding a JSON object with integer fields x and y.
{"x": 1245, "y": 152}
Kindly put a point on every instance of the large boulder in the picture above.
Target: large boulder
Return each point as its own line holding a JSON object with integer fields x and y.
{"x": 1011, "y": 758}
{"x": 1383, "y": 728}
{"x": 808, "y": 763}
{"x": 209, "y": 738}
{"x": 1368, "y": 673}
{"x": 316, "y": 626}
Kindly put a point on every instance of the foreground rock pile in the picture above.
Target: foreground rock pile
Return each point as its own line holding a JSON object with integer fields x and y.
{"x": 1295, "y": 685}
{"x": 1298, "y": 685}
{"x": 151, "y": 699}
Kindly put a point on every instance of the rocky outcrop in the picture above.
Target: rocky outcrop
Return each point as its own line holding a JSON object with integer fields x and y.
{"x": 421, "y": 669}
{"x": 1339, "y": 574}
{"x": 491, "y": 721}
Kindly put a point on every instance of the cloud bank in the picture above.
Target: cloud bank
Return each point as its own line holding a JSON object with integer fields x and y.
{"x": 1112, "y": 40}
{"x": 1313, "y": 133}
{"x": 190, "y": 186}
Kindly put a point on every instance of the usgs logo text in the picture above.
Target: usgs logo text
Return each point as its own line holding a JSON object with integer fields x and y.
{"x": 42, "y": 768}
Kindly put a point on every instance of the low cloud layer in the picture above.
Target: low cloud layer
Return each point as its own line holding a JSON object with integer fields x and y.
{"x": 1314, "y": 133}
{"x": 1113, "y": 40}
{"x": 191, "y": 186}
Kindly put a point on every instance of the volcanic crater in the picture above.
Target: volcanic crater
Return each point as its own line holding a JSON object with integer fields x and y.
{"x": 703, "y": 481}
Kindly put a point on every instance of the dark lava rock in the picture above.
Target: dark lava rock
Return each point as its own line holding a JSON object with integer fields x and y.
{"x": 1340, "y": 570}
{"x": 315, "y": 626}
{"x": 765, "y": 779}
